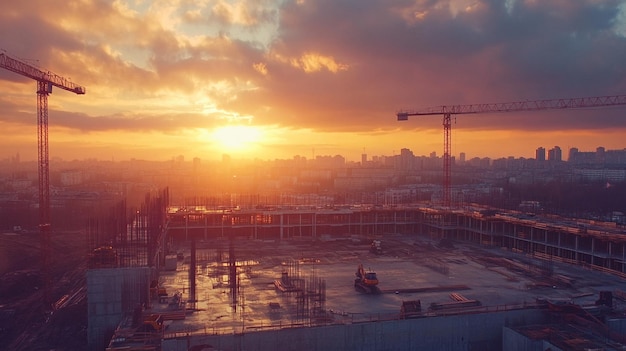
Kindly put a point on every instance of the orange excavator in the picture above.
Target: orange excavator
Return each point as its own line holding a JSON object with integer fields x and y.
{"x": 366, "y": 281}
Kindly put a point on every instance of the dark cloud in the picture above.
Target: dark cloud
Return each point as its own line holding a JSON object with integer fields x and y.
{"x": 537, "y": 50}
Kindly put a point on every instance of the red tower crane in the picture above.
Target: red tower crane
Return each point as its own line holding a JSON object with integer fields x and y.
{"x": 517, "y": 106}
{"x": 45, "y": 81}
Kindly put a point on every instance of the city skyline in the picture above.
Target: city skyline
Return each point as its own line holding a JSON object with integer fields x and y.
{"x": 555, "y": 153}
{"x": 269, "y": 80}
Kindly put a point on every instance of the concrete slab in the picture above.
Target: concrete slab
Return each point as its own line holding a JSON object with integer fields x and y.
{"x": 407, "y": 262}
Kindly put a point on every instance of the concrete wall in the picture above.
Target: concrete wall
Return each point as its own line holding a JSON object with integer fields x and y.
{"x": 514, "y": 341}
{"x": 617, "y": 325}
{"x": 111, "y": 292}
{"x": 481, "y": 331}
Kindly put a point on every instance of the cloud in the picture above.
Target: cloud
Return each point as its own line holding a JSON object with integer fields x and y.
{"x": 260, "y": 67}
{"x": 324, "y": 65}
{"x": 313, "y": 62}
{"x": 426, "y": 53}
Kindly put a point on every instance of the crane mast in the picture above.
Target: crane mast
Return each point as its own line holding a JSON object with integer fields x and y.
{"x": 45, "y": 81}
{"x": 517, "y": 106}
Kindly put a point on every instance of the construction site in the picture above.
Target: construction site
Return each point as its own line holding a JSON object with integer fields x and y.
{"x": 375, "y": 277}
{"x": 356, "y": 278}
{"x": 350, "y": 277}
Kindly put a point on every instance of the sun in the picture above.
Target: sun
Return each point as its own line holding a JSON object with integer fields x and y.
{"x": 236, "y": 137}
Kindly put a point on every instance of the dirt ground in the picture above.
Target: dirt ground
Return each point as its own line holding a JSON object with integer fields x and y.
{"x": 26, "y": 323}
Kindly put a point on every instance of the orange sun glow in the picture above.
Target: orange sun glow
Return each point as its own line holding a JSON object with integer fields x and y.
{"x": 236, "y": 138}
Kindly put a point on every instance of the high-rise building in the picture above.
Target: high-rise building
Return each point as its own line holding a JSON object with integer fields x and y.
{"x": 600, "y": 155}
{"x": 555, "y": 154}
{"x": 573, "y": 152}
{"x": 406, "y": 159}
{"x": 540, "y": 154}
{"x": 196, "y": 164}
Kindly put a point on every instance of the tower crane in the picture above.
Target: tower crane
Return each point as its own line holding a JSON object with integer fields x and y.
{"x": 517, "y": 106}
{"x": 45, "y": 81}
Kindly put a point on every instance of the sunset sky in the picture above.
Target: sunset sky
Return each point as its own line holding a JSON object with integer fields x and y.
{"x": 273, "y": 79}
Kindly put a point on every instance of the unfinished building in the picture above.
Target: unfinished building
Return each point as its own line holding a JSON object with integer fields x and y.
{"x": 597, "y": 245}
{"x": 219, "y": 269}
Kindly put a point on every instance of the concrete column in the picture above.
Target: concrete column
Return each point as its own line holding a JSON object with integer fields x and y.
{"x": 623, "y": 257}
{"x": 282, "y": 216}
{"x": 592, "y": 250}
{"x": 350, "y": 224}
{"x": 576, "y": 249}
{"x": 222, "y": 224}
{"x": 375, "y": 222}
{"x": 394, "y": 224}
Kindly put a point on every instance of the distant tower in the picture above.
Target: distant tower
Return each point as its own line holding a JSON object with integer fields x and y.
{"x": 363, "y": 159}
{"x": 540, "y": 154}
{"x": 196, "y": 164}
{"x": 195, "y": 171}
{"x": 573, "y": 152}
{"x": 406, "y": 159}
{"x": 600, "y": 155}
{"x": 555, "y": 154}
{"x": 462, "y": 157}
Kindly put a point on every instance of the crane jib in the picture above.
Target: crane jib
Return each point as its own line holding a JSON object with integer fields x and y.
{"x": 37, "y": 74}
{"x": 518, "y": 106}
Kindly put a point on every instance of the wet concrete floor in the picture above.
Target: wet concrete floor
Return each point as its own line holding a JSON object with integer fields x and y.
{"x": 328, "y": 268}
